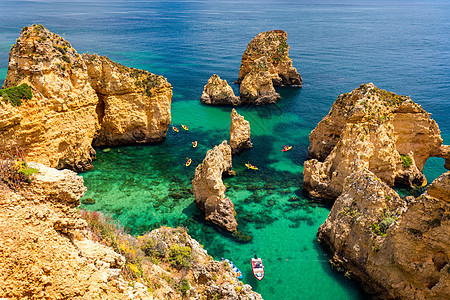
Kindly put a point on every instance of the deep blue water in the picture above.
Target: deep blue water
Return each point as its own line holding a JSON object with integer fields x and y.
{"x": 400, "y": 46}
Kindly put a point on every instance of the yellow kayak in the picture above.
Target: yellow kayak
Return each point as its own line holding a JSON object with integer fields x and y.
{"x": 194, "y": 144}
{"x": 175, "y": 129}
{"x": 188, "y": 162}
{"x": 286, "y": 148}
{"x": 184, "y": 127}
{"x": 250, "y": 166}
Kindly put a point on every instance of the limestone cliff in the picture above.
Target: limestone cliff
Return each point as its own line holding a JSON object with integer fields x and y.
{"x": 397, "y": 248}
{"x": 40, "y": 257}
{"x": 134, "y": 105}
{"x": 239, "y": 133}
{"x": 273, "y": 46}
{"x": 57, "y": 125}
{"x": 372, "y": 129}
{"x": 257, "y": 85}
{"x": 217, "y": 91}
{"x": 209, "y": 190}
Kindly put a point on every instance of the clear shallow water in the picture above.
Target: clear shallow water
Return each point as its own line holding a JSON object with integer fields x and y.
{"x": 400, "y": 46}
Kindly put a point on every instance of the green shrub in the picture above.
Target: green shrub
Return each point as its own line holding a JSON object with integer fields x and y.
{"x": 14, "y": 170}
{"x": 15, "y": 95}
{"x": 406, "y": 161}
{"x": 184, "y": 286}
{"x": 180, "y": 256}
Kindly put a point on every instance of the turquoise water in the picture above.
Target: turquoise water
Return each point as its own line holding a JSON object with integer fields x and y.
{"x": 400, "y": 46}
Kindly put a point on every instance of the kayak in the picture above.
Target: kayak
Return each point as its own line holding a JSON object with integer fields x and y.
{"x": 235, "y": 269}
{"x": 194, "y": 144}
{"x": 250, "y": 166}
{"x": 184, "y": 127}
{"x": 258, "y": 268}
{"x": 188, "y": 162}
{"x": 175, "y": 129}
{"x": 286, "y": 148}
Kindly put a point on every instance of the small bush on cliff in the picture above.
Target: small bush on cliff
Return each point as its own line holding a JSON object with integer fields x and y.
{"x": 406, "y": 161}
{"x": 15, "y": 95}
{"x": 180, "y": 256}
{"x": 14, "y": 170}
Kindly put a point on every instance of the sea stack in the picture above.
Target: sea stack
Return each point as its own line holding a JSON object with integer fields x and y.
{"x": 209, "y": 190}
{"x": 371, "y": 129}
{"x": 217, "y": 91}
{"x": 397, "y": 248}
{"x": 239, "y": 133}
{"x": 73, "y": 100}
{"x": 273, "y": 46}
{"x": 257, "y": 85}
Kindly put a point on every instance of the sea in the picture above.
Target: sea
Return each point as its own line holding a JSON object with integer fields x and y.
{"x": 336, "y": 45}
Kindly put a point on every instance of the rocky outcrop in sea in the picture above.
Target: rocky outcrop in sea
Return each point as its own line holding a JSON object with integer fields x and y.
{"x": 370, "y": 128}
{"x": 397, "y": 248}
{"x": 217, "y": 91}
{"x": 209, "y": 190}
{"x": 272, "y": 45}
{"x": 265, "y": 64}
{"x": 239, "y": 133}
{"x": 73, "y": 100}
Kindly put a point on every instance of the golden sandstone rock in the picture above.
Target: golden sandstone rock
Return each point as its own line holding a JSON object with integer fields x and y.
{"x": 273, "y": 46}
{"x": 217, "y": 91}
{"x": 209, "y": 190}
{"x": 398, "y": 248}
{"x": 239, "y": 133}
{"x": 372, "y": 129}
{"x": 265, "y": 64}
{"x": 59, "y": 123}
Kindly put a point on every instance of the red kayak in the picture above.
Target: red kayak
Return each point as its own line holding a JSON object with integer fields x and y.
{"x": 258, "y": 268}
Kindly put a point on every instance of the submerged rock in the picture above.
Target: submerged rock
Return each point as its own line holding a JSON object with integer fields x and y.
{"x": 372, "y": 129}
{"x": 209, "y": 190}
{"x": 239, "y": 133}
{"x": 272, "y": 45}
{"x": 217, "y": 91}
{"x": 397, "y": 248}
{"x": 76, "y": 99}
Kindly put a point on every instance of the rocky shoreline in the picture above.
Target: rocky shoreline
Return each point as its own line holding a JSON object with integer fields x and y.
{"x": 397, "y": 248}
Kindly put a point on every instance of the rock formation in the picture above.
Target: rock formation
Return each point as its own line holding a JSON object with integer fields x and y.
{"x": 372, "y": 129}
{"x": 48, "y": 251}
{"x": 40, "y": 258}
{"x": 209, "y": 190}
{"x": 239, "y": 133}
{"x": 134, "y": 105}
{"x": 273, "y": 46}
{"x": 58, "y": 124}
{"x": 397, "y": 248}
{"x": 257, "y": 86}
{"x": 217, "y": 91}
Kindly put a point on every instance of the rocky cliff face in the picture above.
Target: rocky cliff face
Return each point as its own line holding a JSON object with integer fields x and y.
{"x": 134, "y": 105}
{"x": 217, "y": 91}
{"x": 75, "y": 99}
{"x": 372, "y": 129}
{"x": 239, "y": 133}
{"x": 57, "y": 125}
{"x": 40, "y": 257}
{"x": 209, "y": 190}
{"x": 398, "y": 248}
{"x": 273, "y": 46}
